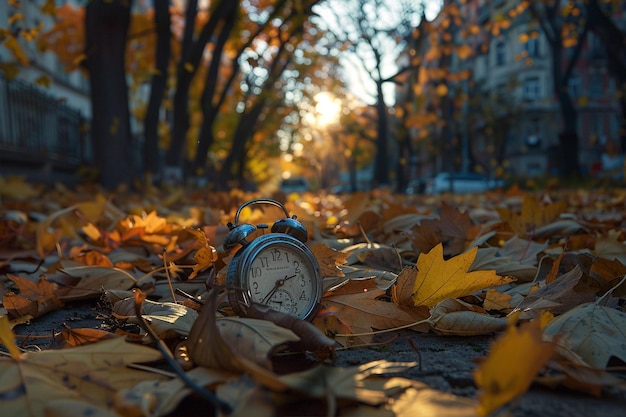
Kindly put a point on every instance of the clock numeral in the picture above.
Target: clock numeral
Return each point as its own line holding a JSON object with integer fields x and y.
{"x": 256, "y": 272}
{"x": 255, "y": 287}
{"x": 265, "y": 262}
{"x": 303, "y": 295}
{"x": 302, "y": 281}
{"x": 297, "y": 269}
{"x": 276, "y": 255}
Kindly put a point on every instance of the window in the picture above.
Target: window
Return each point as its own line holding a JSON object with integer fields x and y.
{"x": 595, "y": 85}
{"x": 597, "y": 48}
{"x": 500, "y": 53}
{"x": 574, "y": 86}
{"x": 596, "y": 128}
{"x": 531, "y": 46}
{"x": 531, "y": 88}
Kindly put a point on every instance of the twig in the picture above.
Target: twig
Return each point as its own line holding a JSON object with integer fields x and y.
{"x": 419, "y": 354}
{"x": 167, "y": 275}
{"x": 188, "y": 296}
{"x": 169, "y": 357}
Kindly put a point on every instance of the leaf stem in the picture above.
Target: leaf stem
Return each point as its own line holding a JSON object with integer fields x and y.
{"x": 393, "y": 329}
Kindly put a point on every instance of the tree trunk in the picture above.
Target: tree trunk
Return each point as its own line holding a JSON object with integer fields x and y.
{"x": 106, "y": 29}
{"x": 210, "y": 108}
{"x": 552, "y": 25}
{"x": 233, "y": 166}
{"x": 613, "y": 39}
{"x": 569, "y": 166}
{"x": 184, "y": 75}
{"x": 157, "y": 88}
{"x": 381, "y": 160}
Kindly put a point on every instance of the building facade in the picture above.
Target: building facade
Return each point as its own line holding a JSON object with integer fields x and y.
{"x": 44, "y": 110}
{"x": 504, "y": 113}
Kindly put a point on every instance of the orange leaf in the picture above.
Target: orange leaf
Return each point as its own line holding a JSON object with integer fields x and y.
{"x": 206, "y": 254}
{"x": 513, "y": 362}
{"x": 329, "y": 259}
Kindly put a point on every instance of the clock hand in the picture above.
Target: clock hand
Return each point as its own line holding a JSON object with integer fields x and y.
{"x": 279, "y": 283}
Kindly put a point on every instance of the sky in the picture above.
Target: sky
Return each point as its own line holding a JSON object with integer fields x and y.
{"x": 358, "y": 81}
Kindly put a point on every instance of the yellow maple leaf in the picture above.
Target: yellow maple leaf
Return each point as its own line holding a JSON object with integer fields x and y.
{"x": 513, "y": 362}
{"x": 438, "y": 279}
{"x": 533, "y": 215}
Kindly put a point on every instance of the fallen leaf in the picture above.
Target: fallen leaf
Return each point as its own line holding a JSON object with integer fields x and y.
{"x": 438, "y": 279}
{"x": 513, "y": 361}
{"x": 364, "y": 312}
{"x": 79, "y": 282}
{"x": 8, "y": 338}
{"x": 533, "y": 215}
{"x": 205, "y": 256}
{"x": 168, "y": 320}
{"x": 594, "y": 332}
{"x": 309, "y": 337}
{"x": 454, "y": 229}
{"x": 607, "y": 274}
{"x": 329, "y": 259}
{"x": 79, "y": 337}
{"x": 35, "y": 298}
{"x": 402, "y": 290}
{"x": 357, "y": 383}
{"x": 208, "y": 348}
{"x": 454, "y": 317}
{"x": 83, "y": 376}
{"x": 157, "y": 398}
{"x": 562, "y": 294}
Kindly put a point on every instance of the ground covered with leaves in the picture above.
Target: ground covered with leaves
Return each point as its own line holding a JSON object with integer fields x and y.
{"x": 113, "y": 304}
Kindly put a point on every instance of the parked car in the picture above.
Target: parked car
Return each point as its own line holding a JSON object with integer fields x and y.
{"x": 416, "y": 186}
{"x": 461, "y": 183}
{"x": 294, "y": 185}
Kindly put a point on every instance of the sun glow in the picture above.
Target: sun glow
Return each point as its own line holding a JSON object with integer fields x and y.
{"x": 328, "y": 108}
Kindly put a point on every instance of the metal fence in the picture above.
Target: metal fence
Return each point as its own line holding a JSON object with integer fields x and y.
{"x": 36, "y": 128}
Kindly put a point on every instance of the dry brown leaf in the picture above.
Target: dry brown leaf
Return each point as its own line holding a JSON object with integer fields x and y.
{"x": 594, "y": 332}
{"x": 35, "y": 385}
{"x": 609, "y": 246}
{"x": 34, "y": 300}
{"x": 564, "y": 293}
{"x": 80, "y": 282}
{"x": 453, "y": 317}
{"x": 329, "y": 259}
{"x": 454, "y": 229}
{"x": 78, "y": 337}
{"x": 581, "y": 378}
{"x": 498, "y": 301}
{"x": 402, "y": 291}
{"x": 358, "y": 383}
{"x": 158, "y": 398}
{"x": 608, "y": 274}
{"x": 208, "y": 348}
{"x": 168, "y": 320}
{"x": 364, "y": 312}
{"x": 310, "y": 338}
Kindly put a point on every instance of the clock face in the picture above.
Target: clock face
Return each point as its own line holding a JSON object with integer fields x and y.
{"x": 282, "y": 277}
{"x": 280, "y": 273}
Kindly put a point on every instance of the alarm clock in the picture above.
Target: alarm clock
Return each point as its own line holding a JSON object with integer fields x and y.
{"x": 275, "y": 269}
